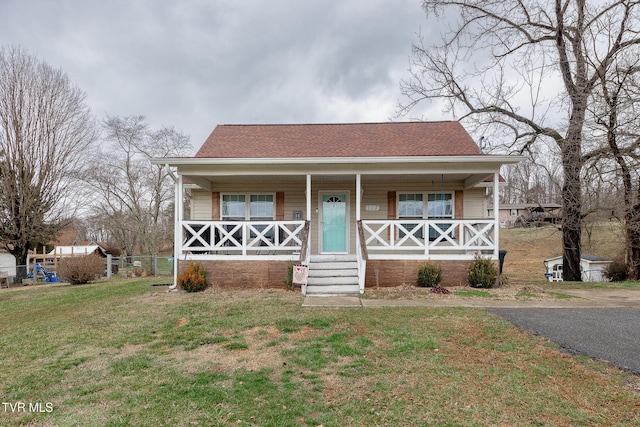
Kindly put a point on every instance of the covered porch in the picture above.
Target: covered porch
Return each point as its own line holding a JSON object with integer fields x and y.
{"x": 351, "y": 214}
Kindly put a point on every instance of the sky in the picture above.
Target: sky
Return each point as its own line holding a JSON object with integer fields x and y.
{"x": 193, "y": 64}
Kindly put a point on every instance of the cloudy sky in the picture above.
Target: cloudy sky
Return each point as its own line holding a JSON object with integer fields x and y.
{"x": 193, "y": 64}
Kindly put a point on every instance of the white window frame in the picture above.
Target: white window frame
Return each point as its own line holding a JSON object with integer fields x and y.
{"x": 425, "y": 207}
{"x": 247, "y": 205}
{"x": 425, "y": 204}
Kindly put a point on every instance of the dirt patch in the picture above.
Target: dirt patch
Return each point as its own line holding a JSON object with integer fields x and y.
{"x": 263, "y": 351}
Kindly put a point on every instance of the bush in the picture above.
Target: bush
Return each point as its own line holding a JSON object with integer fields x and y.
{"x": 617, "y": 271}
{"x": 429, "y": 275}
{"x": 79, "y": 270}
{"x": 482, "y": 273}
{"x": 193, "y": 278}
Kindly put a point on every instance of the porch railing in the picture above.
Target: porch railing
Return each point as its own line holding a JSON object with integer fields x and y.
{"x": 436, "y": 238}
{"x": 361, "y": 256}
{"x": 272, "y": 239}
{"x": 377, "y": 239}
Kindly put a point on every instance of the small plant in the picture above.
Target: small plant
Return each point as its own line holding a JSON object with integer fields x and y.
{"x": 617, "y": 271}
{"x": 429, "y": 275}
{"x": 482, "y": 273}
{"x": 79, "y": 270}
{"x": 438, "y": 289}
{"x": 193, "y": 278}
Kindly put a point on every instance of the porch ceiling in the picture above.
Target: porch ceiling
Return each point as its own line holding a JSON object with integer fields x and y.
{"x": 467, "y": 180}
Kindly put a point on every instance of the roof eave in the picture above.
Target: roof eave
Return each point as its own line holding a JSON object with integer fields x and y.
{"x": 184, "y": 161}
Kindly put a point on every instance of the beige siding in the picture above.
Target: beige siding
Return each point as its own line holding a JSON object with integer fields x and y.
{"x": 374, "y": 200}
{"x": 201, "y": 205}
{"x": 475, "y": 203}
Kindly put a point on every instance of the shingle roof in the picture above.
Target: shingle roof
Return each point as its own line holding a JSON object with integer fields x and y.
{"x": 392, "y": 139}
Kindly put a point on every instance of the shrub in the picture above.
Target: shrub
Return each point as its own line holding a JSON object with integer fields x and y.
{"x": 482, "y": 273}
{"x": 193, "y": 278}
{"x": 429, "y": 275}
{"x": 79, "y": 270}
{"x": 617, "y": 271}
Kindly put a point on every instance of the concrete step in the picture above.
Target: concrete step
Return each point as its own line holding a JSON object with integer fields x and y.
{"x": 341, "y": 272}
{"x": 334, "y": 274}
{"x": 333, "y": 258}
{"x": 336, "y": 280}
{"x": 333, "y": 289}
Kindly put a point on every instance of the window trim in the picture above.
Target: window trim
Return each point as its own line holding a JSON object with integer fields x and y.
{"x": 425, "y": 210}
{"x": 425, "y": 204}
{"x": 247, "y": 204}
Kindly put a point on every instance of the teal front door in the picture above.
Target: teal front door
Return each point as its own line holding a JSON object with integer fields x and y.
{"x": 334, "y": 222}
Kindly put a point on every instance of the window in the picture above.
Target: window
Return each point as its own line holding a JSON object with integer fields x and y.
{"x": 411, "y": 206}
{"x": 436, "y": 206}
{"x": 261, "y": 207}
{"x": 440, "y": 205}
{"x": 252, "y": 207}
{"x": 233, "y": 207}
{"x": 513, "y": 212}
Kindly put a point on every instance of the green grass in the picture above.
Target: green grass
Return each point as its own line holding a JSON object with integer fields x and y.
{"x": 474, "y": 293}
{"x": 124, "y": 353}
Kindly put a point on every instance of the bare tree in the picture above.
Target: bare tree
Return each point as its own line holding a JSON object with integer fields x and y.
{"x": 133, "y": 195}
{"x": 45, "y": 131}
{"x": 616, "y": 121}
{"x": 534, "y": 180}
{"x": 530, "y": 68}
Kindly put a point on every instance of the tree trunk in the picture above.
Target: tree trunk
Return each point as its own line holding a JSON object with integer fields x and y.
{"x": 21, "y": 254}
{"x": 632, "y": 237}
{"x": 572, "y": 210}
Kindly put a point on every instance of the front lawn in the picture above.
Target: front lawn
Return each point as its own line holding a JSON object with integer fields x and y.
{"x": 126, "y": 353}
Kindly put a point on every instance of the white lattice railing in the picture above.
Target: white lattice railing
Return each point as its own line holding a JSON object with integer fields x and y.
{"x": 445, "y": 238}
{"x": 276, "y": 239}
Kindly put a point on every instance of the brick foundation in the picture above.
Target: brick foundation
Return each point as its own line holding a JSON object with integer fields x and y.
{"x": 271, "y": 274}
{"x": 405, "y": 272}
{"x": 244, "y": 274}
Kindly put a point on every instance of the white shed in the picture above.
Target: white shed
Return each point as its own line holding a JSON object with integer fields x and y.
{"x": 591, "y": 266}
{"x": 8, "y": 263}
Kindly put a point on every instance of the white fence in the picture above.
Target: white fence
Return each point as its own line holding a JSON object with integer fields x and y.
{"x": 273, "y": 239}
{"x": 436, "y": 238}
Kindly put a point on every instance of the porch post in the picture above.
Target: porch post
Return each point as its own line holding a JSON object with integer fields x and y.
{"x": 358, "y": 195}
{"x": 308, "y": 197}
{"x": 308, "y": 212}
{"x": 496, "y": 215}
{"x": 177, "y": 228}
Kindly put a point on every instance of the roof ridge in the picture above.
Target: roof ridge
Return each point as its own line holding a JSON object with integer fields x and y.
{"x": 337, "y": 124}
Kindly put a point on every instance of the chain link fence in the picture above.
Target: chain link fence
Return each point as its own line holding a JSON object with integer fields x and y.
{"x": 116, "y": 267}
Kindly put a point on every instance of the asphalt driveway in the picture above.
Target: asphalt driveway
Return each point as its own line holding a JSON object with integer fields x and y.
{"x": 608, "y": 333}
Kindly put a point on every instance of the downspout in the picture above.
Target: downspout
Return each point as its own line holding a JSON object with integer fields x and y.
{"x": 307, "y": 254}
{"x": 362, "y": 261}
{"x": 496, "y": 216}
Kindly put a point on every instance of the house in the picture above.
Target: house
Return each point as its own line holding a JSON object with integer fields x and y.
{"x": 48, "y": 261}
{"x": 362, "y": 204}
{"x": 7, "y": 268}
{"x": 592, "y": 268}
{"x": 79, "y": 250}
{"x": 524, "y": 214}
